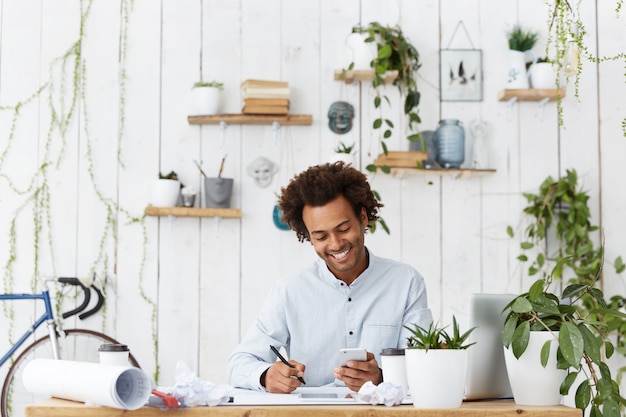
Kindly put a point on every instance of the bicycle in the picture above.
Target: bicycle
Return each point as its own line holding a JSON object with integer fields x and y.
{"x": 70, "y": 344}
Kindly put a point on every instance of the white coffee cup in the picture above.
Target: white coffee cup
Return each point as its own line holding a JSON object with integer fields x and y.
{"x": 114, "y": 354}
{"x": 394, "y": 367}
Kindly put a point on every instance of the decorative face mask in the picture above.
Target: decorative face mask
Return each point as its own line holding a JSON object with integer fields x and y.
{"x": 340, "y": 115}
{"x": 262, "y": 170}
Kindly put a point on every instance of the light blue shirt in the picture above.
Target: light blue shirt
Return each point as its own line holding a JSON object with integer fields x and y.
{"x": 313, "y": 315}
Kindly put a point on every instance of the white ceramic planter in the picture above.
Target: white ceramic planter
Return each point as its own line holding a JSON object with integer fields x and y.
{"x": 542, "y": 75}
{"x": 518, "y": 76}
{"x": 204, "y": 101}
{"x": 164, "y": 193}
{"x": 362, "y": 52}
{"x": 531, "y": 383}
{"x": 436, "y": 377}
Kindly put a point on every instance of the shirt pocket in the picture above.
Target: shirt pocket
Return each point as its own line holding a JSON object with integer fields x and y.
{"x": 380, "y": 335}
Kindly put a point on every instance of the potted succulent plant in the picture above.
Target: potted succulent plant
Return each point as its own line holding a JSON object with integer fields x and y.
{"x": 205, "y": 98}
{"x": 436, "y": 365}
{"x": 165, "y": 190}
{"x": 542, "y": 74}
{"x": 344, "y": 153}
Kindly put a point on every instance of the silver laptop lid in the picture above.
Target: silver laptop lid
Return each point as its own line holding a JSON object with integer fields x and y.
{"x": 486, "y": 370}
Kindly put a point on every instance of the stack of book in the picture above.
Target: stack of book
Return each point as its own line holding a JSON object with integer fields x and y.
{"x": 265, "y": 97}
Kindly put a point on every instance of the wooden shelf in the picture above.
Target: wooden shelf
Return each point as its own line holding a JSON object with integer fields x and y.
{"x": 230, "y": 213}
{"x": 453, "y": 172}
{"x": 252, "y": 119}
{"x": 364, "y": 75}
{"x": 531, "y": 94}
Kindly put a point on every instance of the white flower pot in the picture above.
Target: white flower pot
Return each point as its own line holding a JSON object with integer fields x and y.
{"x": 362, "y": 52}
{"x": 542, "y": 75}
{"x": 436, "y": 377}
{"x": 164, "y": 193}
{"x": 204, "y": 101}
{"x": 531, "y": 383}
{"x": 518, "y": 76}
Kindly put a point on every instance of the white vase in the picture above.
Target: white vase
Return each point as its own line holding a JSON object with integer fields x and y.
{"x": 204, "y": 101}
{"x": 164, "y": 193}
{"x": 542, "y": 75}
{"x": 531, "y": 383}
{"x": 518, "y": 76}
{"x": 436, "y": 377}
{"x": 362, "y": 52}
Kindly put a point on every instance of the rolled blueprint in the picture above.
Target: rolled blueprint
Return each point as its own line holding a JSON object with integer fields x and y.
{"x": 115, "y": 386}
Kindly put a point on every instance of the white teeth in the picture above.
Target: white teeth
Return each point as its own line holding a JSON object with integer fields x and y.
{"x": 340, "y": 255}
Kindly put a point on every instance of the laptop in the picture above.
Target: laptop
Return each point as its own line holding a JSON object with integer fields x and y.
{"x": 486, "y": 370}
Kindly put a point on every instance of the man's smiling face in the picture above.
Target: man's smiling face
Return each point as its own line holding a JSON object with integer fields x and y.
{"x": 338, "y": 237}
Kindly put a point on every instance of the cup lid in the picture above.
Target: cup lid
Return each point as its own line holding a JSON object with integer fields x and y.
{"x": 392, "y": 351}
{"x": 113, "y": 347}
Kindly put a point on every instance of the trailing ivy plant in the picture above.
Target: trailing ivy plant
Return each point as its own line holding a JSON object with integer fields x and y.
{"x": 394, "y": 52}
{"x": 67, "y": 78}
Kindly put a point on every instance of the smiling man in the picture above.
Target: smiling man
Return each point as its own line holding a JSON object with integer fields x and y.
{"x": 348, "y": 298}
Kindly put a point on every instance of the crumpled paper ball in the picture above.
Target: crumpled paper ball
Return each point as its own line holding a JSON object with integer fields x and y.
{"x": 190, "y": 391}
{"x": 386, "y": 393}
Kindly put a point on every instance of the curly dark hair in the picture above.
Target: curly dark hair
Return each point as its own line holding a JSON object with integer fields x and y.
{"x": 320, "y": 184}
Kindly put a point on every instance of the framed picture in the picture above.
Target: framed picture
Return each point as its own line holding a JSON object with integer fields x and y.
{"x": 461, "y": 75}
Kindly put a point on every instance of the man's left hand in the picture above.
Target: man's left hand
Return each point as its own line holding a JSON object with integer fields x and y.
{"x": 358, "y": 373}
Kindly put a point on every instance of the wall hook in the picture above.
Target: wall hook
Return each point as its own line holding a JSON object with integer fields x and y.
{"x": 276, "y": 130}
{"x": 223, "y": 127}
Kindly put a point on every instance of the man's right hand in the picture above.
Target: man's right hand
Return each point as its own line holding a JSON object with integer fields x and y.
{"x": 281, "y": 379}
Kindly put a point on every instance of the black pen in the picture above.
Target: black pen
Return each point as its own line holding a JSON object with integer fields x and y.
{"x": 283, "y": 360}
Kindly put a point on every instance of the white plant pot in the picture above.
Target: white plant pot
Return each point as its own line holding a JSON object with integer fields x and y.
{"x": 362, "y": 52}
{"x": 164, "y": 192}
{"x": 531, "y": 383}
{"x": 436, "y": 377}
{"x": 204, "y": 101}
{"x": 518, "y": 76}
{"x": 542, "y": 75}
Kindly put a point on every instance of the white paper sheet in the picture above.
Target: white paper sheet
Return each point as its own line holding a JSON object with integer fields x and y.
{"x": 115, "y": 386}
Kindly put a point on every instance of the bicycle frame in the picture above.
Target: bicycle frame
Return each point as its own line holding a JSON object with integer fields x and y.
{"x": 47, "y": 316}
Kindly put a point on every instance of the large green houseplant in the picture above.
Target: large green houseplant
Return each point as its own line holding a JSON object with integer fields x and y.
{"x": 394, "y": 52}
{"x": 581, "y": 336}
{"x": 436, "y": 365}
{"x": 560, "y": 218}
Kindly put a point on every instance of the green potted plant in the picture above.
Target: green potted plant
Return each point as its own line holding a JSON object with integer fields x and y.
{"x": 558, "y": 243}
{"x": 165, "y": 190}
{"x": 571, "y": 341}
{"x": 520, "y": 41}
{"x": 345, "y": 153}
{"x": 205, "y": 98}
{"x": 436, "y": 365}
{"x": 394, "y": 52}
{"x": 542, "y": 74}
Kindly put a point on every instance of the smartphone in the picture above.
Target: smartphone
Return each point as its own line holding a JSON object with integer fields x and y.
{"x": 351, "y": 354}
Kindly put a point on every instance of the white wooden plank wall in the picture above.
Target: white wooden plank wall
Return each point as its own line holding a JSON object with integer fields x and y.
{"x": 207, "y": 278}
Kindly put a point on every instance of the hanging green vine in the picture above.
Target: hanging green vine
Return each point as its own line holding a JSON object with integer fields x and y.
{"x": 566, "y": 35}
{"x": 64, "y": 90}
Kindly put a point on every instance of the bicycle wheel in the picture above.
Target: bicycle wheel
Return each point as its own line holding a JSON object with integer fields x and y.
{"x": 75, "y": 344}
